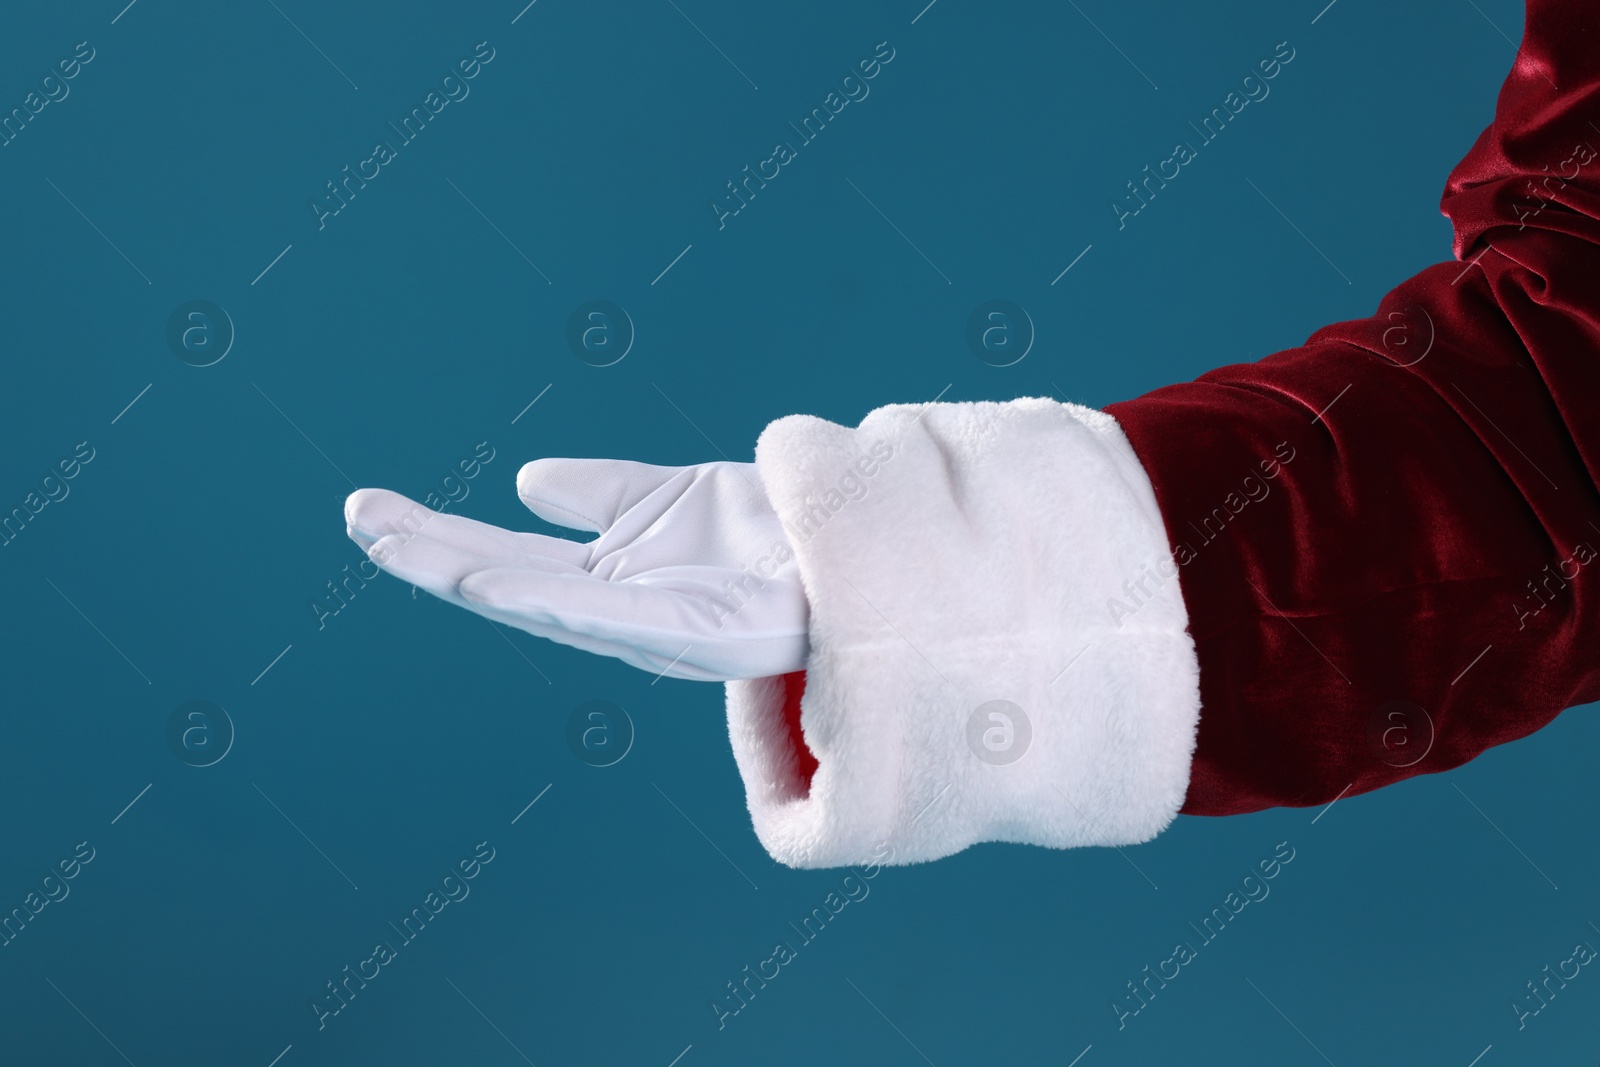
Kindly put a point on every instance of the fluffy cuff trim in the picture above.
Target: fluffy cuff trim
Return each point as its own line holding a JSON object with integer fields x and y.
{"x": 998, "y": 641}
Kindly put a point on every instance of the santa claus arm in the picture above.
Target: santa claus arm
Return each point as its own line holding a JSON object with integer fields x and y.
{"x": 1365, "y": 558}
{"x": 1384, "y": 541}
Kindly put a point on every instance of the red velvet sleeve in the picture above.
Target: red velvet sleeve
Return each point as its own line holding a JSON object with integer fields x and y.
{"x": 1387, "y": 537}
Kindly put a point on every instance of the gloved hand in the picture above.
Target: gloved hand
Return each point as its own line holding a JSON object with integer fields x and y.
{"x": 692, "y": 575}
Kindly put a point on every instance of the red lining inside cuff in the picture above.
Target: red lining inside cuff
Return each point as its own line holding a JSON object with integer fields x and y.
{"x": 794, "y": 687}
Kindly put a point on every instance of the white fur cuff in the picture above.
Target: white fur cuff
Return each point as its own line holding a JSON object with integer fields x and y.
{"x": 998, "y": 641}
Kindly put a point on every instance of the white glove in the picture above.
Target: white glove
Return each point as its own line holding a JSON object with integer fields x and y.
{"x": 692, "y": 575}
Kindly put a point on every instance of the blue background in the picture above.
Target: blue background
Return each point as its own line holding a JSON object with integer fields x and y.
{"x": 382, "y": 745}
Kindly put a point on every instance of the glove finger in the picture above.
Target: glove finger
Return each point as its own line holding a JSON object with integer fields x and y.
{"x": 655, "y": 621}
{"x": 582, "y": 642}
{"x": 588, "y": 494}
{"x": 429, "y": 565}
{"x": 439, "y": 569}
{"x": 672, "y": 633}
{"x": 371, "y": 514}
{"x": 659, "y": 665}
